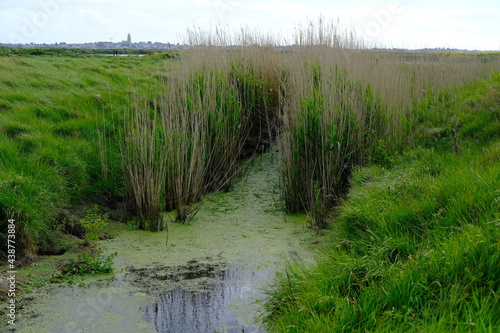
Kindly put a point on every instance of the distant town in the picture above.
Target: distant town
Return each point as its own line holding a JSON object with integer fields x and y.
{"x": 128, "y": 44}
{"x": 125, "y": 44}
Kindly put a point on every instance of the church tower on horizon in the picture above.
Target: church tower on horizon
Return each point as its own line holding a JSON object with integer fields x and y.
{"x": 129, "y": 39}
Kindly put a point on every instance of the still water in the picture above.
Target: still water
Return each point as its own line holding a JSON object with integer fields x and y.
{"x": 206, "y": 278}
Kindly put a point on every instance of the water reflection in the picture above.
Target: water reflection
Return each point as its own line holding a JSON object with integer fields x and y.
{"x": 180, "y": 310}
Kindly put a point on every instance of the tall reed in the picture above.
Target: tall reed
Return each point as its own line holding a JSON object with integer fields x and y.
{"x": 201, "y": 119}
{"x": 144, "y": 161}
{"x": 209, "y": 113}
{"x": 331, "y": 123}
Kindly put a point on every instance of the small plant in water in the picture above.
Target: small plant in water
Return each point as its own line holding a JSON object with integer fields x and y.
{"x": 87, "y": 264}
{"x": 94, "y": 224}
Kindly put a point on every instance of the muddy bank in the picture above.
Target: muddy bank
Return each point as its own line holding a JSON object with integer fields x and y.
{"x": 204, "y": 279}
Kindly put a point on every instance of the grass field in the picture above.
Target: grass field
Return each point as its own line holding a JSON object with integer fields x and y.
{"x": 59, "y": 118}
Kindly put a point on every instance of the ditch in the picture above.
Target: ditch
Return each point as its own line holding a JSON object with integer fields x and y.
{"x": 207, "y": 276}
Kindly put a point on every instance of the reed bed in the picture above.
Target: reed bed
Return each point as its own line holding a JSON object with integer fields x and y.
{"x": 210, "y": 113}
{"x": 330, "y": 125}
{"x": 346, "y": 106}
{"x": 331, "y": 103}
{"x": 201, "y": 119}
{"x": 214, "y": 109}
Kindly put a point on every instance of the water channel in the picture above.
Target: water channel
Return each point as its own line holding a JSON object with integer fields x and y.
{"x": 206, "y": 278}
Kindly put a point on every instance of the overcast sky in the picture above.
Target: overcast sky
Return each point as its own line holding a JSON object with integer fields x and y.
{"x": 390, "y": 23}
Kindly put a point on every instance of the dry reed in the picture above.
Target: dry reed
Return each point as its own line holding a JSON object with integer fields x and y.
{"x": 333, "y": 104}
{"x": 144, "y": 162}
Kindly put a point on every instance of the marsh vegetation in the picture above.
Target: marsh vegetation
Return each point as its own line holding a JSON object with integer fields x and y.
{"x": 396, "y": 153}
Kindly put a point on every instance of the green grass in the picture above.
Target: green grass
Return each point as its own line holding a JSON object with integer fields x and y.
{"x": 415, "y": 247}
{"x": 58, "y": 145}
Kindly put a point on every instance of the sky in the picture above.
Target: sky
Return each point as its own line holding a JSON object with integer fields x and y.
{"x": 412, "y": 24}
